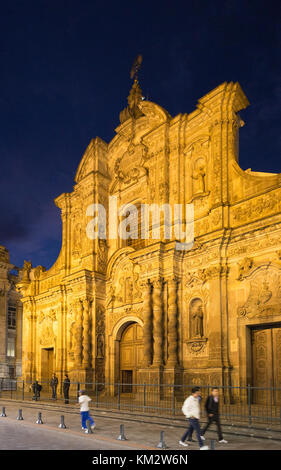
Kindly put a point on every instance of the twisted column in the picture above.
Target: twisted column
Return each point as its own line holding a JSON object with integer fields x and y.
{"x": 147, "y": 327}
{"x": 158, "y": 322}
{"x": 172, "y": 323}
{"x": 78, "y": 335}
{"x": 86, "y": 333}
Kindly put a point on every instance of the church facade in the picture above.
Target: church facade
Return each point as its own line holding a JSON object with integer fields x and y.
{"x": 140, "y": 310}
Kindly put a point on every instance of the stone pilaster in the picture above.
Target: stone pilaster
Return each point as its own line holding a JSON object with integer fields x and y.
{"x": 147, "y": 328}
{"x": 157, "y": 323}
{"x": 172, "y": 323}
{"x": 78, "y": 336}
{"x": 86, "y": 333}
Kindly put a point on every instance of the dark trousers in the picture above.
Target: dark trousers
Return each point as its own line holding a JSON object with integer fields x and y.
{"x": 54, "y": 391}
{"x": 66, "y": 396}
{"x": 193, "y": 425}
{"x": 214, "y": 419}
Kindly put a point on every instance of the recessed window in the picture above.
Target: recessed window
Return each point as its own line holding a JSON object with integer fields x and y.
{"x": 11, "y": 347}
{"x": 12, "y": 315}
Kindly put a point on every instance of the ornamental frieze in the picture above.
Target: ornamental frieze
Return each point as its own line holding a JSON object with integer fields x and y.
{"x": 256, "y": 208}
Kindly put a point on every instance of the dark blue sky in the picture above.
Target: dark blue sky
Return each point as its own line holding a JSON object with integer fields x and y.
{"x": 65, "y": 77}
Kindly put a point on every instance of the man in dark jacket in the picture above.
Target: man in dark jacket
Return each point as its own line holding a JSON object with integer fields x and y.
{"x": 212, "y": 409}
{"x": 66, "y": 385}
{"x": 54, "y": 384}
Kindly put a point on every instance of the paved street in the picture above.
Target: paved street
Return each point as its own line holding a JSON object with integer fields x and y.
{"x": 28, "y": 435}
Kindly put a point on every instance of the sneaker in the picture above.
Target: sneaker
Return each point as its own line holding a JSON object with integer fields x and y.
{"x": 204, "y": 448}
{"x": 183, "y": 443}
{"x": 84, "y": 429}
{"x": 203, "y": 438}
{"x": 223, "y": 441}
{"x": 93, "y": 426}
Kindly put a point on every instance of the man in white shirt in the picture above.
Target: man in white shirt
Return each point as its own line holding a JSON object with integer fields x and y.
{"x": 84, "y": 410}
{"x": 191, "y": 409}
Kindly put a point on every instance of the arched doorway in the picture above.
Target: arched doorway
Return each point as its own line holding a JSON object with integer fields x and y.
{"x": 131, "y": 355}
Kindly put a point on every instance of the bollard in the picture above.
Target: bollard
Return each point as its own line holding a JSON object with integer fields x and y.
{"x": 161, "y": 444}
{"x": 122, "y": 437}
{"x": 3, "y": 414}
{"x": 19, "y": 417}
{"x": 39, "y": 420}
{"x": 62, "y": 425}
{"x": 212, "y": 444}
{"x": 89, "y": 429}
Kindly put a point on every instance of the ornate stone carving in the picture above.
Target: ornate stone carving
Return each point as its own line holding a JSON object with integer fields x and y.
{"x": 196, "y": 318}
{"x": 265, "y": 295}
{"x": 46, "y": 330}
{"x": 244, "y": 268}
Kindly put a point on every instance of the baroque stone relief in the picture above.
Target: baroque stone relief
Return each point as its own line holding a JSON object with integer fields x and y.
{"x": 46, "y": 327}
{"x": 264, "y": 298}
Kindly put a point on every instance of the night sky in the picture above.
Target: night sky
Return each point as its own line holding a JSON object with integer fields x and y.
{"x": 65, "y": 76}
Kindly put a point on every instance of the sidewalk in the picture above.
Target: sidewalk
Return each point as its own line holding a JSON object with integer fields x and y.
{"x": 139, "y": 435}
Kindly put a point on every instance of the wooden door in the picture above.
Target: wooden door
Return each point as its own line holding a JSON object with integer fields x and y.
{"x": 47, "y": 366}
{"x": 266, "y": 365}
{"x": 131, "y": 353}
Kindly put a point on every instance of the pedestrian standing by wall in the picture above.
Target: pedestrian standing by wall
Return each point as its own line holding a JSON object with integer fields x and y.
{"x": 66, "y": 386}
{"x": 85, "y": 410}
{"x": 212, "y": 409}
{"x": 54, "y": 383}
{"x": 191, "y": 409}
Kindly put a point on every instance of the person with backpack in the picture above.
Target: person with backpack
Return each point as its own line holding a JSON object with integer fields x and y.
{"x": 191, "y": 409}
{"x": 212, "y": 410}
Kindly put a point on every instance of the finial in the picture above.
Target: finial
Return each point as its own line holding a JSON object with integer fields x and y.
{"x": 136, "y": 66}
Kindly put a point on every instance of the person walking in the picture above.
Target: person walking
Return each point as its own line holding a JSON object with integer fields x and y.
{"x": 66, "y": 386}
{"x": 85, "y": 410}
{"x": 212, "y": 410}
{"x": 191, "y": 409}
{"x": 54, "y": 383}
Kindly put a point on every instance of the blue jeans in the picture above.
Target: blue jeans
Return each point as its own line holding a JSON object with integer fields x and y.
{"x": 84, "y": 416}
{"x": 193, "y": 425}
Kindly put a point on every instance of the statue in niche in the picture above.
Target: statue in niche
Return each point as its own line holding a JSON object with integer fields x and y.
{"x": 100, "y": 346}
{"x": 196, "y": 316}
{"x": 198, "y": 175}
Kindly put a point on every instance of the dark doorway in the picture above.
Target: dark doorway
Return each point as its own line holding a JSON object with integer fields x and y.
{"x": 127, "y": 380}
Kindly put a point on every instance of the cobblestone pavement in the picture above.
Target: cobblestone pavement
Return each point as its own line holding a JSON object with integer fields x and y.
{"x": 28, "y": 435}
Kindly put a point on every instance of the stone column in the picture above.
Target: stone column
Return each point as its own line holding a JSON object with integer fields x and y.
{"x": 86, "y": 334}
{"x": 158, "y": 323}
{"x": 78, "y": 335}
{"x": 147, "y": 327}
{"x": 172, "y": 323}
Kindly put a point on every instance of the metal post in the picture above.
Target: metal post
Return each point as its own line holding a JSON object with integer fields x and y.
{"x": 174, "y": 408}
{"x": 121, "y": 437}
{"x": 19, "y": 417}
{"x": 161, "y": 444}
{"x": 39, "y": 420}
{"x": 23, "y": 390}
{"x": 212, "y": 444}
{"x": 118, "y": 396}
{"x": 62, "y": 425}
{"x": 3, "y": 414}
{"x": 78, "y": 388}
{"x": 249, "y": 404}
{"x": 97, "y": 394}
{"x": 144, "y": 398}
